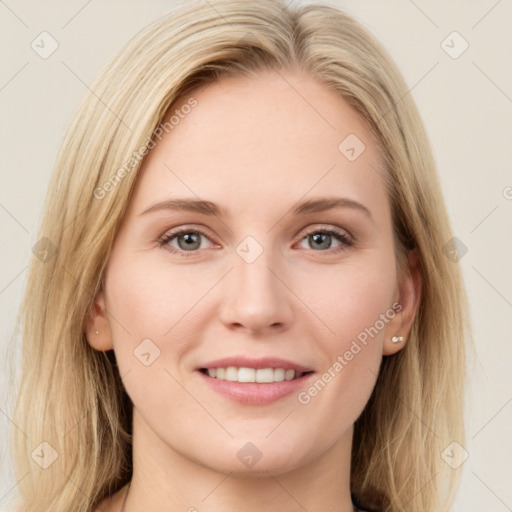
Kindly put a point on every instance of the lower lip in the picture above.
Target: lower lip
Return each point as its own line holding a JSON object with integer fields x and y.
{"x": 255, "y": 393}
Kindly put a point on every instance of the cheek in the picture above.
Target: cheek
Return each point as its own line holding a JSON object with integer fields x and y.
{"x": 151, "y": 299}
{"x": 153, "y": 324}
{"x": 357, "y": 308}
{"x": 351, "y": 298}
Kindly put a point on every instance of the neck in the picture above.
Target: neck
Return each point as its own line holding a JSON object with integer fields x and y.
{"x": 166, "y": 480}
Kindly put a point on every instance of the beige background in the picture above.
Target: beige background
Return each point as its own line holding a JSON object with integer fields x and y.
{"x": 466, "y": 104}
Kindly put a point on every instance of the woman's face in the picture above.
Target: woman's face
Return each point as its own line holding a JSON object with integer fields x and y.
{"x": 267, "y": 266}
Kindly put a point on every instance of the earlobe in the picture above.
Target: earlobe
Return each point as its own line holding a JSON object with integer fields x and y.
{"x": 409, "y": 299}
{"x": 98, "y": 326}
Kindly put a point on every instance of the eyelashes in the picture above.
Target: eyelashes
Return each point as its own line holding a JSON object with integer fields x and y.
{"x": 344, "y": 239}
{"x": 168, "y": 237}
{"x": 193, "y": 236}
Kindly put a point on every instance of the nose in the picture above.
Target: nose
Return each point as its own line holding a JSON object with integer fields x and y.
{"x": 256, "y": 299}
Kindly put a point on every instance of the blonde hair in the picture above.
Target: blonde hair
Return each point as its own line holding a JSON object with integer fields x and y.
{"x": 72, "y": 397}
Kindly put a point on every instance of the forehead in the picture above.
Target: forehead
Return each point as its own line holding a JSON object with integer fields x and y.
{"x": 264, "y": 138}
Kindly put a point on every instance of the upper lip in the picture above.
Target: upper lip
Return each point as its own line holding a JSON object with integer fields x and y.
{"x": 247, "y": 362}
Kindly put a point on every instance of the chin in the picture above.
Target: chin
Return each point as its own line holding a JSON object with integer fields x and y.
{"x": 249, "y": 460}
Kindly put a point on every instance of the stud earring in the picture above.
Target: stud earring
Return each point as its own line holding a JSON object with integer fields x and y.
{"x": 96, "y": 332}
{"x": 397, "y": 339}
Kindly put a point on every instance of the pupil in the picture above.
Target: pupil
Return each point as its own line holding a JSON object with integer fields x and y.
{"x": 189, "y": 238}
{"x": 318, "y": 237}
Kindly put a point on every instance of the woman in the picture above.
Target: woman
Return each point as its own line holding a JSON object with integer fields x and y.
{"x": 240, "y": 298}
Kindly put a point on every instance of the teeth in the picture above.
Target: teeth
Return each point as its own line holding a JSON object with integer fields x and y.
{"x": 279, "y": 374}
{"x": 231, "y": 373}
{"x": 262, "y": 375}
{"x": 246, "y": 375}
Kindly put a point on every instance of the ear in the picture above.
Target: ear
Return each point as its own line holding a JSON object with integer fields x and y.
{"x": 409, "y": 294}
{"x": 98, "y": 327}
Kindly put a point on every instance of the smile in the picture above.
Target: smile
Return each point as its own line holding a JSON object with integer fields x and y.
{"x": 245, "y": 389}
{"x": 259, "y": 375}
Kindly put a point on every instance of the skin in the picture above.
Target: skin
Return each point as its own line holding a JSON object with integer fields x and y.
{"x": 255, "y": 147}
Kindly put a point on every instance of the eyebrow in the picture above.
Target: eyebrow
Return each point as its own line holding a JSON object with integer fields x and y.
{"x": 208, "y": 208}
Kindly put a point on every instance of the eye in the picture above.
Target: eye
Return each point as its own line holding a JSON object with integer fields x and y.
{"x": 322, "y": 239}
{"x": 188, "y": 241}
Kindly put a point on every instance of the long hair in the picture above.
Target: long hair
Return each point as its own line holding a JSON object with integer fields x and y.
{"x": 71, "y": 403}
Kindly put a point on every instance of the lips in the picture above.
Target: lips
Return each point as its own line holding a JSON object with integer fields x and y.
{"x": 246, "y": 362}
{"x": 254, "y": 381}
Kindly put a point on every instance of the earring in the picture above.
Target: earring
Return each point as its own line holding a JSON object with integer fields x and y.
{"x": 397, "y": 339}
{"x": 96, "y": 332}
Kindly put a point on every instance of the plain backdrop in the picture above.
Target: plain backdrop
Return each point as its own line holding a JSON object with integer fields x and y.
{"x": 464, "y": 97}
